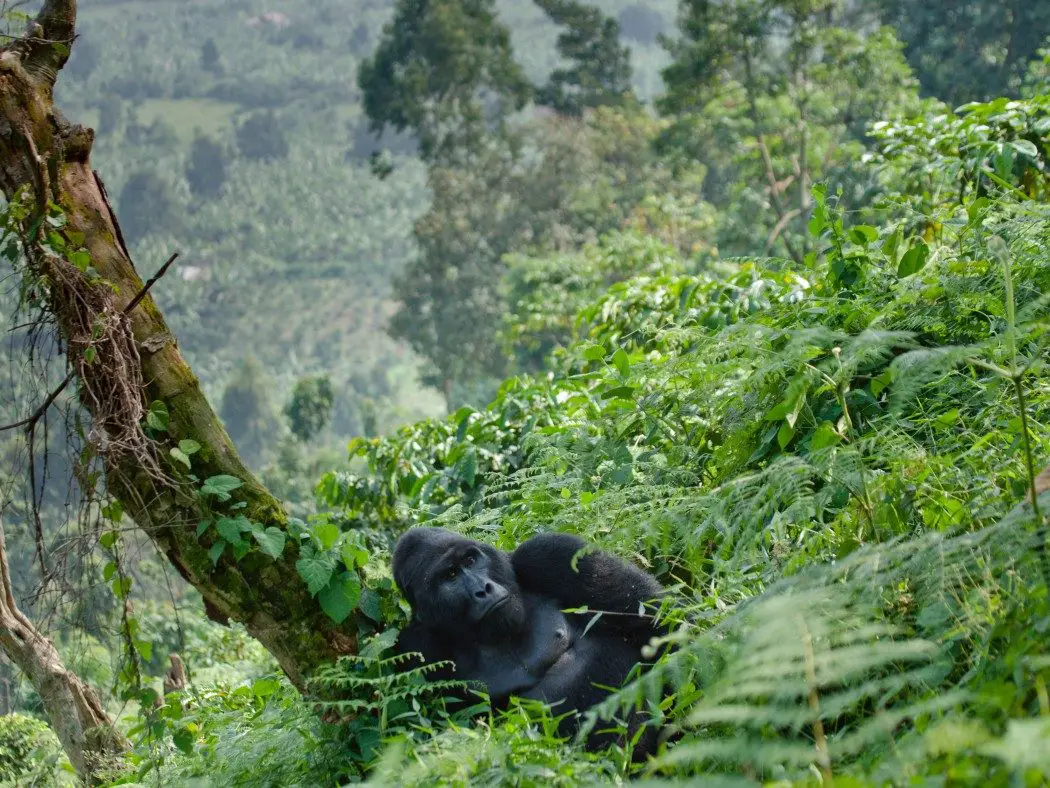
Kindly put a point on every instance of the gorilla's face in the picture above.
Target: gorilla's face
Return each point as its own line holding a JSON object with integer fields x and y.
{"x": 458, "y": 585}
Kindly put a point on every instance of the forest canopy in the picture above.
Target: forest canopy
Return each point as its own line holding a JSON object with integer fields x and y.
{"x": 752, "y": 294}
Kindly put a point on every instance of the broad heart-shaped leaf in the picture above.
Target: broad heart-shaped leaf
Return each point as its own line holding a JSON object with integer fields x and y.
{"x": 316, "y": 570}
{"x": 340, "y": 597}
{"x": 189, "y": 446}
{"x": 326, "y": 534}
{"x": 221, "y": 486}
{"x": 271, "y": 540}
{"x": 914, "y": 259}
{"x": 216, "y": 551}
{"x": 230, "y": 528}
{"x": 622, "y": 362}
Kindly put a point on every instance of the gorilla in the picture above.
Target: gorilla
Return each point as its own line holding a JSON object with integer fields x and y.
{"x": 500, "y": 617}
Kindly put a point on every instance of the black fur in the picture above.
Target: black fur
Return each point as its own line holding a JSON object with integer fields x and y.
{"x": 499, "y": 618}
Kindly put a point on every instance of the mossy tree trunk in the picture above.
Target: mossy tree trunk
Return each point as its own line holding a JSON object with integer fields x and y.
{"x": 134, "y": 361}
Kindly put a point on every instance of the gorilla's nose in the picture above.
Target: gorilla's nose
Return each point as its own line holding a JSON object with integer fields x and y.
{"x": 481, "y": 593}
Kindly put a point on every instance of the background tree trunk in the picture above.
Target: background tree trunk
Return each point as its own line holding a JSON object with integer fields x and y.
{"x": 137, "y": 362}
{"x": 88, "y": 736}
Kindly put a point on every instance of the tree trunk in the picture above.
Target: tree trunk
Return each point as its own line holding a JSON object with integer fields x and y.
{"x": 91, "y": 741}
{"x": 127, "y": 360}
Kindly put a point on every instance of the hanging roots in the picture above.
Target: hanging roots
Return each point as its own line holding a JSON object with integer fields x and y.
{"x": 104, "y": 355}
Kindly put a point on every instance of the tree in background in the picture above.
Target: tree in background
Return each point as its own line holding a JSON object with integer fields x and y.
{"x": 573, "y": 181}
{"x": 642, "y": 24}
{"x": 445, "y": 70}
{"x": 261, "y": 136}
{"x": 206, "y": 168}
{"x": 247, "y": 410}
{"x": 149, "y": 204}
{"x": 211, "y": 59}
{"x": 310, "y": 406}
{"x": 968, "y": 50}
{"x": 599, "y": 67}
{"x": 773, "y": 97}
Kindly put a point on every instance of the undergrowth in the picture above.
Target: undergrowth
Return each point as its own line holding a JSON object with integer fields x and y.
{"x": 831, "y": 464}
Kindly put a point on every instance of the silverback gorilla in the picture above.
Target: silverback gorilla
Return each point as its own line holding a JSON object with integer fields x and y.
{"x": 499, "y": 616}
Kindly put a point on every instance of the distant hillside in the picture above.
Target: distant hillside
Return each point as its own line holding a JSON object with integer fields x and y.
{"x": 291, "y": 258}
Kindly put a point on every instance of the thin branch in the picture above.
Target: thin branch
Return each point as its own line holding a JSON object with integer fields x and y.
{"x": 153, "y": 280}
{"x": 30, "y": 421}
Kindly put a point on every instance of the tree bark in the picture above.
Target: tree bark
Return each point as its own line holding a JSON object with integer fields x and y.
{"x": 136, "y": 362}
{"x": 88, "y": 736}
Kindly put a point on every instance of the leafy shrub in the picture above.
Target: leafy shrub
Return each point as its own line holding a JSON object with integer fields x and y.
{"x": 261, "y": 136}
{"x": 29, "y": 751}
{"x": 310, "y": 406}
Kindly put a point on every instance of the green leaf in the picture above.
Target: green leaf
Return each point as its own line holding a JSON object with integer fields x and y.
{"x": 468, "y": 466}
{"x": 891, "y": 246}
{"x": 184, "y": 740}
{"x": 594, "y": 353}
{"x": 353, "y": 555}
{"x": 221, "y": 486}
{"x": 157, "y": 416}
{"x": 622, "y": 362}
{"x": 189, "y": 446}
{"x": 620, "y": 392}
{"x": 976, "y": 209}
{"x": 1026, "y": 148}
{"x": 785, "y": 434}
{"x": 180, "y": 455}
{"x": 202, "y": 526}
{"x": 109, "y": 570}
{"x": 264, "y": 688}
{"x": 108, "y": 539}
{"x": 121, "y": 587}
{"x": 914, "y": 259}
{"x": 147, "y": 697}
{"x": 144, "y": 649}
{"x": 824, "y": 436}
{"x": 216, "y": 551}
{"x": 326, "y": 534}
{"x": 230, "y": 528}
{"x": 339, "y": 598}
{"x": 90, "y": 354}
{"x": 271, "y": 540}
{"x": 863, "y": 234}
{"x": 948, "y": 418}
{"x": 316, "y": 570}
{"x": 880, "y": 383}
{"x": 113, "y": 511}
{"x": 81, "y": 260}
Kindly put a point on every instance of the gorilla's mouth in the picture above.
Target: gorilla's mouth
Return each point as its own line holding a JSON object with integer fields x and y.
{"x": 493, "y": 607}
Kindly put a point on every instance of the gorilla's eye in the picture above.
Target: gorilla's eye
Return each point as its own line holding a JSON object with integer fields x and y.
{"x": 451, "y": 572}
{"x": 469, "y": 559}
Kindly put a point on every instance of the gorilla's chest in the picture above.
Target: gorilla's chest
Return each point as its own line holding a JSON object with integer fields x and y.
{"x": 512, "y": 668}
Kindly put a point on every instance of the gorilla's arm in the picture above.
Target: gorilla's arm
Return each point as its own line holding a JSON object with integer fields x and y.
{"x": 418, "y": 638}
{"x": 601, "y": 581}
